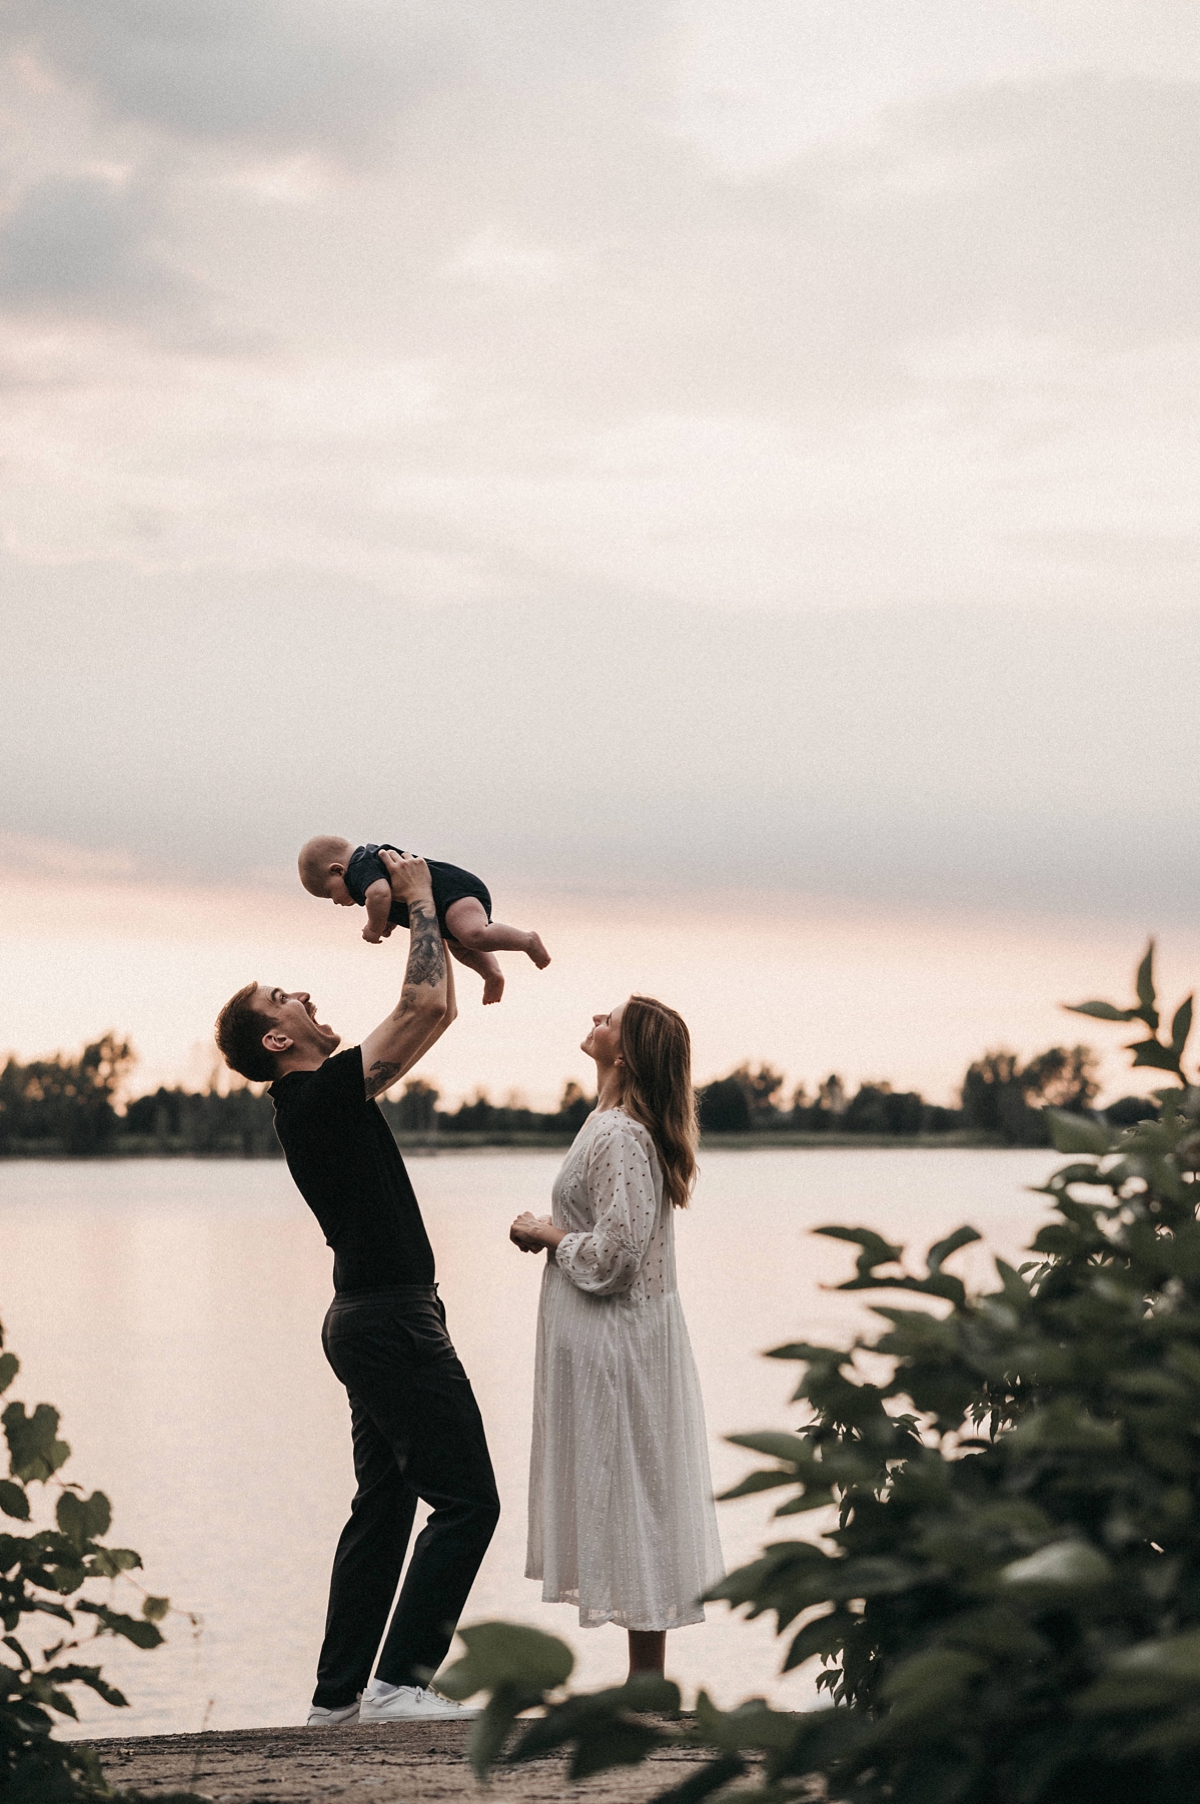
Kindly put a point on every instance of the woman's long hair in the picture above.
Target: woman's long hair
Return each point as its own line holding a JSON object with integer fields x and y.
{"x": 657, "y": 1050}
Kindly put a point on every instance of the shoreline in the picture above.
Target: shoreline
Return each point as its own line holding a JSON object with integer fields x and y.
{"x": 434, "y": 1145}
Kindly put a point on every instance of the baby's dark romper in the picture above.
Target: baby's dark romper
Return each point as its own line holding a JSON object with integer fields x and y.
{"x": 449, "y": 884}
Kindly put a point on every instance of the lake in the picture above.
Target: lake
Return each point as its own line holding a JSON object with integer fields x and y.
{"x": 171, "y": 1310}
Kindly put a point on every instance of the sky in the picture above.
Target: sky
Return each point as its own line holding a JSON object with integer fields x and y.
{"x": 726, "y": 472}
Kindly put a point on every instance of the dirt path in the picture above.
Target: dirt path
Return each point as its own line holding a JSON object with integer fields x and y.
{"x": 384, "y": 1763}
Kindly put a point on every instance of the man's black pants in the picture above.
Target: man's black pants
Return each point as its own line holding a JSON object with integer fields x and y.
{"x": 417, "y": 1433}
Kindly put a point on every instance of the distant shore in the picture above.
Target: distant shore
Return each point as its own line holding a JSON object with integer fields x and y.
{"x": 434, "y": 1145}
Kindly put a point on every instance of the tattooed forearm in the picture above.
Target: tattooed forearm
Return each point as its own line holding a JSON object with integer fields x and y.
{"x": 427, "y": 954}
{"x": 382, "y": 1073}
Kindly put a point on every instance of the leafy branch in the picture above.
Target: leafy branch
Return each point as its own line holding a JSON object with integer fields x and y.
{"x": 43, "y": 1574}
{"x": 1006, "y": 1606}
{"x": 1161, "y": 1055}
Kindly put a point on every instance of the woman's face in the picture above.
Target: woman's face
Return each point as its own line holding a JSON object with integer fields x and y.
{"x": 604, "y": 1040}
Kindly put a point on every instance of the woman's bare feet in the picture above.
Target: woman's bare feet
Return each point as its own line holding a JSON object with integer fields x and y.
{"x": 537, "y": 951}
{"x": 493, "y": 986}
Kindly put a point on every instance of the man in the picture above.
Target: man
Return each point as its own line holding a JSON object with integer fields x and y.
{"x": 415, "y": 1424}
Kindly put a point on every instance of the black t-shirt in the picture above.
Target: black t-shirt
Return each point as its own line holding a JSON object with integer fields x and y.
{"x": 348, "y": 1169}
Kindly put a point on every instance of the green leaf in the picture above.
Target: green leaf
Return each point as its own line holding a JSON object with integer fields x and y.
{"x": 775, "y": 1445}
{"x": 804, "y": 1350}
{"x": 824, "y": 1635}
{"x": 1061, "y": 1566}
{"x": 1149, "y": 1052}
{"x": 942, "y": 1250}
{"x": 1076, "y": 1133}
{"x": 618, "y": 1742}
{"x": 91, "y": 1677}
{"x": 601, "y": 1727}
{"x": 647, "y": 1691}
{"x": 107, "y": 1562}
{"x": 71, "y": 1517}
{"x": 492, "y": 1726}
{"x": 155, "y": 1608}
{"x": 1144, "y": 984}
{"x": 1101, "y": 1011}
{"x": 752, "y": 1726}
{"x": 97, "y": 1515}
{"x": 1015, "y": 1288}
{"x": 813, "y": 1498}
{"x": 131, "y": 1628}
{"x": 13, "y": 1500}
{"x": 1181, "y": 1027}
{"x": 1148, "y": 1675}
{"x": 875, "y": 1249}
{"x": 507, "y": 1653}
{"x": 34, "y": 1451}
{"x": 10, "y": 1365}
{"x": 755, "y": 1482}
{"x": 711, "y": 1777}
{"x": 927, "y": 1682}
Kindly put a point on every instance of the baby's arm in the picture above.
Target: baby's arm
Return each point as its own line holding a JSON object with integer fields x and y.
{"x": 379, "y": 902}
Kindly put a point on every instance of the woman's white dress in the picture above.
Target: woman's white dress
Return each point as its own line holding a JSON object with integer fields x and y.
{"x": 621, "y": 1517}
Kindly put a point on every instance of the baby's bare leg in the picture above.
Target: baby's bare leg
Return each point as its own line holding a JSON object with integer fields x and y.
{"x": 485, "y": 964}
{"x": 469, "y": 924}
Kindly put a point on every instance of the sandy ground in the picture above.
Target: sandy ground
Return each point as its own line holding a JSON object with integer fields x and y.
{"x": 374, "y": 1764}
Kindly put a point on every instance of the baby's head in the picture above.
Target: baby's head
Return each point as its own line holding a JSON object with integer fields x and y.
{"x": 323, "y": 860}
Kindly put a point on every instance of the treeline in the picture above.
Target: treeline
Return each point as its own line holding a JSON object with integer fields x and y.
{"x": 73, "y": 1106}
{"x": 65, "y": 1105}
{"x": 1001, "y": 1102}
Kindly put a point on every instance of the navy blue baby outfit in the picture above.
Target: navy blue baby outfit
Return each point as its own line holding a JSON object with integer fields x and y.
{"x": 449, "y": 884}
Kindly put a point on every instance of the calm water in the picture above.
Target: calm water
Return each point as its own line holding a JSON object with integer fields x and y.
{"x": 171, "y": 1310}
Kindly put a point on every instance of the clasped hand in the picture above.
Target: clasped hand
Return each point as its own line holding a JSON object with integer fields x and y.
{"x": 526, "y": 1232}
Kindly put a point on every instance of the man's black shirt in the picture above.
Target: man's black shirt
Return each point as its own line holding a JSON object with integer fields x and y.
{"x": 348, "y": 1169}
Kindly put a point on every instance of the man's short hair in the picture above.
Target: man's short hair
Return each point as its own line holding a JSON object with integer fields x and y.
{"x": 240, "y": 1029}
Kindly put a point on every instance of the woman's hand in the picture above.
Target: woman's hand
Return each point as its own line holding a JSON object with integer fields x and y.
{"x": 533, "y": 1232}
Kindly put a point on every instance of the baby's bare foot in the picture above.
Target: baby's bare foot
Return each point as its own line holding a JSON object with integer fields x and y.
{"x": 493, "y": 987}
{"x": 537, "y": 951}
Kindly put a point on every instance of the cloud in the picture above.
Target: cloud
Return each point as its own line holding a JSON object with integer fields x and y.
{"x": 983, "y": 757}
{"x": 305, "y": 73}
{"x": 85, "y": 244}
{"x": 542, "y": 414}
{"x": 256, "y": 71}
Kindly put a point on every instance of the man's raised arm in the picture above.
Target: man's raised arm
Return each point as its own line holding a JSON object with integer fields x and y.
{"x": 426, "y": 1006}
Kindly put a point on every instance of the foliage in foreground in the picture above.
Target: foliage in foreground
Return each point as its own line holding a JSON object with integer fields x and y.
{"x": 47, "y": 1576}
{"x": 1008, "y": 1610}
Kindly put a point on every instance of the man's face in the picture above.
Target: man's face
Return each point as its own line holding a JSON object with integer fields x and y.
{"x": 296, "y": 1028}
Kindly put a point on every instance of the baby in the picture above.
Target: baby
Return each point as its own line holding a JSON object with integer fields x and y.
{"x": 333, "y": 869}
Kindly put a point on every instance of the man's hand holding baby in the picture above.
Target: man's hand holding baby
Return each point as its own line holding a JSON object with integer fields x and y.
{"x": 408, "y": 882}
{"x": 409, "y": 874}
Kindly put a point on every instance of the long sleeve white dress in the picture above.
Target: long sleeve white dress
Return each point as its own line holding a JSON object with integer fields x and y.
{"x": 621, "y": 1517}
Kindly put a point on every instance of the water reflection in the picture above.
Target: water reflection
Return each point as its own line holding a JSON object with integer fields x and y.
{"x": 172, "y": 1310}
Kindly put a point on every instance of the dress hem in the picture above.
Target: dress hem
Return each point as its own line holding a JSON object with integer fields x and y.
{"x": 596, "y": 1619}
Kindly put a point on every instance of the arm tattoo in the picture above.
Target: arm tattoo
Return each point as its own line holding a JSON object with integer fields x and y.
{"x": 381, "y": 1074}
{"x": 427, "y": 954}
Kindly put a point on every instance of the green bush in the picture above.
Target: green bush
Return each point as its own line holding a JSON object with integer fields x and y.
{"x": 45, "y": 1578}
{"x": 1008, "y": 1608}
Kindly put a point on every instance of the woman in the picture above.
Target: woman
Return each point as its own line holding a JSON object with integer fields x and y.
{"x": 621, "y": 1520}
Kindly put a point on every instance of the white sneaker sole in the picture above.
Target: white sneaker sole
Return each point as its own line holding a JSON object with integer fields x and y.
{"x": 416, "y": 1714}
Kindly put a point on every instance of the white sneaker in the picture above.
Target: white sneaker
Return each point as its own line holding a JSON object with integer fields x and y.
{"x": 412, "y": 1703}
{"x": 319, "y": 1717}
